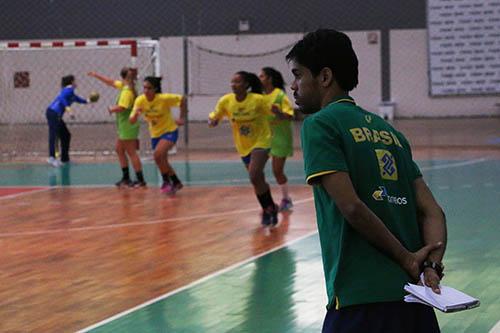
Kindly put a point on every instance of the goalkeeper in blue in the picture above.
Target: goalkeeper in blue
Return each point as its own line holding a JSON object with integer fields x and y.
{"x": 57, "y": 126}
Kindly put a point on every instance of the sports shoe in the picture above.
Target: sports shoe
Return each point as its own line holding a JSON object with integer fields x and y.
{"x": 123, "y": 182}
{"x": 270, "y": 216}
{"x": 137, "y": 184}
{"x": 286, "y": 204}
{"x": 166, "y": 188}
{"x": 177, "y": 186}
{"x": 54, "y": 162}
{"x": 173, "y": 188}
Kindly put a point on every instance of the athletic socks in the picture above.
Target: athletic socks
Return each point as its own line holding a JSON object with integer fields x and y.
{"x": 265, "y": 199}
{"x": 126, "y": 175}
{"x": 140, "y": 176}
{"x": 174, "y": 179}
{"x": 165, "y": 177}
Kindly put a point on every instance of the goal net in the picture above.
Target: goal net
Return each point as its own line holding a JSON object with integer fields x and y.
{"x": 30, "y": 78}
{"x": 211, "y": 67}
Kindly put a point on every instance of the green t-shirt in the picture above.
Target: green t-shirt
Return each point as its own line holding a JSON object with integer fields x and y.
{"x": 282, "y": 133}
{"x": 344, "y": 137}
{"x": 125, "y": 99}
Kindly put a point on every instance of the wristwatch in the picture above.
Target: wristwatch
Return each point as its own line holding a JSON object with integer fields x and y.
{"x": 437, "y": 266}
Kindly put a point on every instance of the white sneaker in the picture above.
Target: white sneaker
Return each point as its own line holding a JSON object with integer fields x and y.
{"x": 54, "y": 162}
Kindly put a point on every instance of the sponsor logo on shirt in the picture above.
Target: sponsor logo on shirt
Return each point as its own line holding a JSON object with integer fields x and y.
{"x": 382, "y": 195}
{"x": 244, "y": 130}
{"x": 387, "y": 165}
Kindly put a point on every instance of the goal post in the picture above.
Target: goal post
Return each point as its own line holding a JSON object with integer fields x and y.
{"x": 30, "y": 78}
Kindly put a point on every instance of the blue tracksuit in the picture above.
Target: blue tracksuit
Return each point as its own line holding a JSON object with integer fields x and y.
{"x": 57, "y": 127}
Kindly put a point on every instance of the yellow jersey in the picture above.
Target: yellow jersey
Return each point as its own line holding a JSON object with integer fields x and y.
{"x": 278, "y": 97}
{"x": 157, "y": 112}
{"x": 248, "y": 121}
{"x": 126, "y": 97}
{"x": 118, "y": 84}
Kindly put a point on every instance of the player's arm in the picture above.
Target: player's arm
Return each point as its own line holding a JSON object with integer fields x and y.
{"x": 81, "y": 100}
{"x": 125, "y": 102}
{"x": 65, "y": 99}
{"x": 432, "y": 222}
{"x": 106, "y": 80}
{"x": 69, "y": 96}
{"x": 183, "y": 107}
{"x": 283, "y": 110}
{"x": 216, "y": 115}
{"x": 134, "y": 115}
{"x": 136, "y": 111}
{"x": 116, "y": 109}
{"x": 365, "y": 222}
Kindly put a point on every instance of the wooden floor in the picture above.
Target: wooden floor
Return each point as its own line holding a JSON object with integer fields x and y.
{"x": 75, "y": 252}
{"x": 98, "y": 251}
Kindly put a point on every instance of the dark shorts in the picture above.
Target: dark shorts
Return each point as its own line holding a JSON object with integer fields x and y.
{"x": 169, "y": 136}
{"x": 246, "y": 159}
{"x": 385, "y": 317}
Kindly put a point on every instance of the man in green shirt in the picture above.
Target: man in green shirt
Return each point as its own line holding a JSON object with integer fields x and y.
{"x": 379, "y": 225}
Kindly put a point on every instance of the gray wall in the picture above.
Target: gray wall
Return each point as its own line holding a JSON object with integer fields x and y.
{"x": 49, "y": 19}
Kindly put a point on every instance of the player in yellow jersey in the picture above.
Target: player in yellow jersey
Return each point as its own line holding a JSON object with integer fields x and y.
{"x": 155, "y": 106}
{"x": 246, "y": 110}
{"x": 280, "y": 118}
{"x": 127, "y": 142}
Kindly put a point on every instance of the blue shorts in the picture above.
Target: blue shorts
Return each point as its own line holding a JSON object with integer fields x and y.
{"x": 247, "y": 158}
{"x": 169, "y": 136}
{"x": 383, "y": 317}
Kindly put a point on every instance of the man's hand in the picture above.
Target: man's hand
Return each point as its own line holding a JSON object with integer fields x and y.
{"x": 180, "y": 121}
{"x": 412, "y": 264}
{"x": 431, "y": 279}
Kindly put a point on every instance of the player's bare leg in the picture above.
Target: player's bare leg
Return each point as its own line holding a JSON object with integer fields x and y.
{"x": 279, "y": 174}
{"x": 122, "y": 158}
{"x": 258, "y": 161}
{"x": 171, "y": 183}
{"x": 131, "y": 147}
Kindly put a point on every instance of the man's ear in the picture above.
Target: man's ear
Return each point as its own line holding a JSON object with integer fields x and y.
{"x": 326, "y": 77}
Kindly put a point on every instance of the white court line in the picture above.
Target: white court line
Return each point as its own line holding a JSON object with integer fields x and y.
{"x": 454, "y": 165}
{"x": 201, "y": 216}
{"x": 135, "y": 224}
{"x": 433, "y": 167}
{"x": 245, "y": 180}
{"x": 15, "y": 195}
{"x": 496, "y": 328}
{"x": 192, "y": 284}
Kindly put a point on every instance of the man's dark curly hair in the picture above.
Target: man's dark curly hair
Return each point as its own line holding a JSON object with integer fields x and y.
{"x": 328, "y": 48}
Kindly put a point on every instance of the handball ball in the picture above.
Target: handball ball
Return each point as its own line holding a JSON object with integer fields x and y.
{"x": 94, "y": 97}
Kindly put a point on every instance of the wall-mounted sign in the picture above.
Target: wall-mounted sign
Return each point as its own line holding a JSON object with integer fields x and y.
{"x": 464, "y": 46}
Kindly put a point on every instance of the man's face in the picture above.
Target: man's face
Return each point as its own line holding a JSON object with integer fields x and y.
{"x": 306, "y": 89}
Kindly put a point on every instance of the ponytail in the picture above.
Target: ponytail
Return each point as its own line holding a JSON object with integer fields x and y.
{"x": 252, "y": 80}
{"x": 276, "y": 78}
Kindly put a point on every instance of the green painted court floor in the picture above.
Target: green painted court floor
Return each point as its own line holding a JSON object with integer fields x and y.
{"x": 283, "y": 291}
